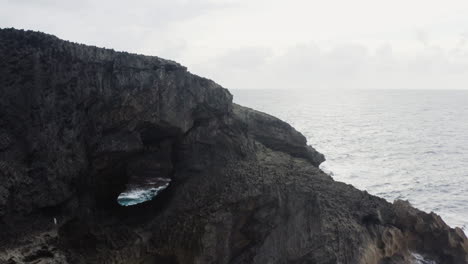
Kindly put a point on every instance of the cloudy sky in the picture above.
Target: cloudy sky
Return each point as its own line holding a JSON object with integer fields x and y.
{"x": 270, "y": 44}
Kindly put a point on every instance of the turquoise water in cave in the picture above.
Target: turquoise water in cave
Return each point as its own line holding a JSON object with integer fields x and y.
{"x": 143, "y": 192}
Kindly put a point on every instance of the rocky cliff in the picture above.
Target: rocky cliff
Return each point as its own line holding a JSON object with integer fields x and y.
{"x": 77, "y": 123}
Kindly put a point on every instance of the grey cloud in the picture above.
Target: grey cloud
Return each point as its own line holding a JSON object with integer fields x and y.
{"x": 48, "y": 4}
{"x": 244, "y": 58}
{"x": 109, "y": 23}
{"x": 144, "y": 12}
{"x": 343, "y": 67}
{"x": 146, "y": 26}
{"x": 173, "y": 49}
{"x": 422, "y": 37}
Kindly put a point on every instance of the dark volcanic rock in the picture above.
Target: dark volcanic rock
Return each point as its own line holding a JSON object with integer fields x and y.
{"x": 78, "y": 123}
{"x": 277, "y": 135}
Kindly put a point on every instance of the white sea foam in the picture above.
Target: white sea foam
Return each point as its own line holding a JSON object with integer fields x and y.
{"x": 141, "y": 193}
{"x": 418, "y": 259}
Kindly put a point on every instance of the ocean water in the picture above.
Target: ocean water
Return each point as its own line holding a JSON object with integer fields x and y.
{"x": 142, "y": 190}
{"x": 396, "y": 144}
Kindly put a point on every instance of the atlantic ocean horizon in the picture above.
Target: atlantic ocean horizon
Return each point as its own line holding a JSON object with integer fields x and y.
{"x": 396, "y": 144}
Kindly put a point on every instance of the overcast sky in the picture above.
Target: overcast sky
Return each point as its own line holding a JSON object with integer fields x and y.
{"x": 263, "y": 44}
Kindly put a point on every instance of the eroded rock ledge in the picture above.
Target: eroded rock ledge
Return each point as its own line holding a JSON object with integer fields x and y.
{"x": 78, "y": 122}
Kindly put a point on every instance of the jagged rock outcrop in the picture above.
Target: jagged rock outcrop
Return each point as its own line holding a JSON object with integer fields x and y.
{"x": 77, "y": 123}
{"x": 277, "y": 135}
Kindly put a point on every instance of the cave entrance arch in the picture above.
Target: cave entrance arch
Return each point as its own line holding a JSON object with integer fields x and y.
{"x": 132, "y": 177}
{"x": 150, "y": 172}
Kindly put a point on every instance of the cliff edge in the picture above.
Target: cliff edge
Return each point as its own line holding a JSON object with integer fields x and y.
{"x": 78, "y": 123}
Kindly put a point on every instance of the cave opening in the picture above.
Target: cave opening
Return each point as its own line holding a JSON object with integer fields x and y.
{"x": 136, "y": 177}
{"x": 150, "y": 172}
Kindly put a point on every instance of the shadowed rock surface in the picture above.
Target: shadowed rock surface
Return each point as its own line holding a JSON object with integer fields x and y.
{"x": 78, "y": 123}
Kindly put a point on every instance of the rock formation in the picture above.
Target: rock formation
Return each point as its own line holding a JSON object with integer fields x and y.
{"x": 77, "y": 123}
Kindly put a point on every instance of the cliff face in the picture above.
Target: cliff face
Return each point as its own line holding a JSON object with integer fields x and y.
{"x": 77, "y": 123}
